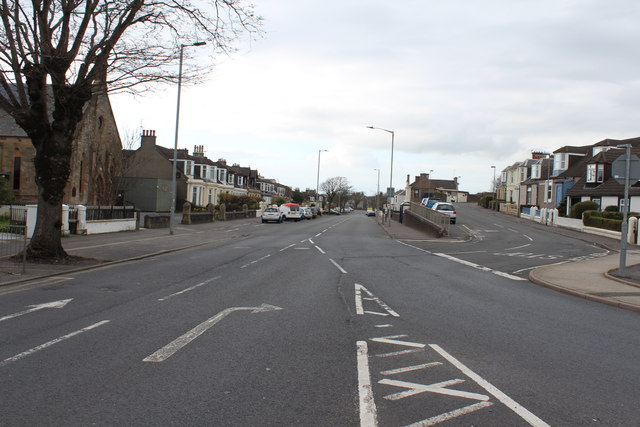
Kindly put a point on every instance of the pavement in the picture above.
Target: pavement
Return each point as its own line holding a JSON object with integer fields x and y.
{"x": 595, "y": 279}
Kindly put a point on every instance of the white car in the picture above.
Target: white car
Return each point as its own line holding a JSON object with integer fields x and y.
{"x": 272, "y": 214}
{"x": 306, "y": 213}
{"x": 446, "y": 208}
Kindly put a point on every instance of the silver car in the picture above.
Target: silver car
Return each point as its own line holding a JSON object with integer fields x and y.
{"x": 446, "y": 208}
{"x": 272, "y": 214}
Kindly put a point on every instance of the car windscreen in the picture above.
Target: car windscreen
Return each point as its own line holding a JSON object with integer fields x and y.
{"x": 444, "y": 207}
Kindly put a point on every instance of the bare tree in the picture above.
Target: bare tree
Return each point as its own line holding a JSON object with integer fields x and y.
{"x": 55, "y": 54}
{"x": 337, "y": 187}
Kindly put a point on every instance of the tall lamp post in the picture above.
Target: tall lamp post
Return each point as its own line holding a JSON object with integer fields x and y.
{"x": 318, "y": 179}
{"x": 172, "y": 209}
{"x": 493, "y": 183}
{"x": 389, "y": 194}
{"x": 378, "y": 192}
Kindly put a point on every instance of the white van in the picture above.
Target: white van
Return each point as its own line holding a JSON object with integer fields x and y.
{"x": 291, "y": 211}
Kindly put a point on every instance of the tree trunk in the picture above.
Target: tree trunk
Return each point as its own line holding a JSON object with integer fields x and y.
{"x": 47, "y": 237}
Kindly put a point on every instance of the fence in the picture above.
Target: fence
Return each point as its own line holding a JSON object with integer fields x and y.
{"x": 435, "y": 220}
{"x": 99, "y": 213}
{"x": 13, "y": 240}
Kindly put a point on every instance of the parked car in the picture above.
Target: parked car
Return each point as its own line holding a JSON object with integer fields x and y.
{"x": 446, "y": 208}
{"x": 305, "y": 213}
{"x": 371, "y": 212}
{"x": 314, "y": 211}
{"x": 272, "y": 214}
{"x": 290, "y": 211}
{"x": 432, "y": 201}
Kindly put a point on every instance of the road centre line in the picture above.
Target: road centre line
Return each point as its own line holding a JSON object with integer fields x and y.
{"x": 319, "y": 234}
{"x": 342, "y": 270}
{"x": 50, "y": 343}
{"x": 491, "y": 389}
{"x": 257, "y": 260}
{"x": 287, "y": 247}
{"x": 189, "y": 289}
{"x": 511, "y": 229}
{"x": 528, "y": 237}
{"x": 368, "y": 411}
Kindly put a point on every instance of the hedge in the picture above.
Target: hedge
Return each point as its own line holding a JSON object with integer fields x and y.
{"x": 605, "y": 220}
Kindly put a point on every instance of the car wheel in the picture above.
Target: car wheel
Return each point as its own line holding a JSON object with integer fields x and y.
{"x": 263, "y": 220}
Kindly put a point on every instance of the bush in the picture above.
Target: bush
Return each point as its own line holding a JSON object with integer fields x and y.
{"x": 612, "y": 209}
{"x": 562, "y": 208}
{"x": 485, "y": 200}
{"x": 604, "y": 220}
{"x": 579, "y": 208}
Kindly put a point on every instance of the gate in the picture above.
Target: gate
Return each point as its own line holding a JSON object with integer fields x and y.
{"x": 13, "y": 241}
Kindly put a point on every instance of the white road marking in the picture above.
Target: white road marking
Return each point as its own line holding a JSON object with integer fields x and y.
{"x": 54, "y": 304}
{"x": 410, "y": 368}
{"x": 321, "y": 251}
{"x": 168, "y": 350}
{"x": 499, "y": 225}
{"x": 254, "y": 261}
{"x": 342, "y": 270}
{"x": 399, "y": 353}
{"x": 311, "y": 241}
{"x": 375, "y": 313}
{"x": 480, "y": 267}
{"x": 451, "y": 415}
{"x": 438, "y": 388}
{"x": 518, "y": 247}
{"x": 189, "y": 289}
{"x": 391, "y": 340}
{"x": 287, "y": 247}
{"x": 506, "y": 400}
{"x": 319, "y": 234}
{"x": 359, "y": 309}
{"x": 368, "y": 411}
{"x": 528, "y": 237}
{"x": 302, "y": 249}
{"x": 511, "y": 229}
{"x": 384, "y": 326}
{"x": 50, "y": 343}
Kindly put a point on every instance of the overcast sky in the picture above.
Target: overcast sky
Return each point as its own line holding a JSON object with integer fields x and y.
{"x": 464, "y": 85}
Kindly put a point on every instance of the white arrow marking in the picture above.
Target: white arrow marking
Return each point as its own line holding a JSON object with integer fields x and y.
{"x": 168, "y": 350}
{"x": 53, "y": 304}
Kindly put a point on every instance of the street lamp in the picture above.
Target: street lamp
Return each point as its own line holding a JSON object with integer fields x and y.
{"x": 318, "y": 179}
{"x": 494, "y": 181}
{"x": 378, "y": 192}
{"x": 172, "y": 210}
{"x": 389, "y": 191}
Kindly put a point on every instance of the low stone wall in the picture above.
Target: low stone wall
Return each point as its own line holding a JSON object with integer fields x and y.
{"x": 410, "y": 219}
{"x": 199, "y": 218}
{"x": 156, "y": 220}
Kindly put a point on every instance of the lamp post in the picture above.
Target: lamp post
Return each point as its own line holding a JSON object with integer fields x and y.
{"x": 389, "y": 194}
{"x": 493, "y": 183}
{"x": 318, "y": 179}
{"x": 378, "y": 192}
{"x": 172, "y": 209}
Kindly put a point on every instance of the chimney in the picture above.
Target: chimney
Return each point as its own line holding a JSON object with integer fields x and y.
{"x": 148, "y": 138}
{"x": 198, "y": 151}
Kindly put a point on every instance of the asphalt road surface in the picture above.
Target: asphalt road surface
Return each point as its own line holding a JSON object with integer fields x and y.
{"x": 321, "y": 322}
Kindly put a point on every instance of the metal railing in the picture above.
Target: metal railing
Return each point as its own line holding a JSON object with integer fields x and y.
{"x": 97, "y": 213}
{"x": 13, "y": 241}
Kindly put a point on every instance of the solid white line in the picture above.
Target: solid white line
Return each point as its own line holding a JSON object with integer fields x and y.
{"x": 410, "y": 368}
{"x": 189, "y": 289}
{"x": 398, "y": 353}
{"x": 368, "y": 411}
{"x": 338, "y": 266}
{"x": 397, "y": 342}
{"x": 518, "y": 247}
{"x": 321, "y": 251}
{"x": 359, "y": 309}
{"x": 50, "y": 343}
{"x": 509, "y": 276}
{"x": 491, "y": 389}
{"x": 451, "y": 415}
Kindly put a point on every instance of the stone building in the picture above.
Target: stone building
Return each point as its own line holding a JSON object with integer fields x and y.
{"x": 95, "y": 160}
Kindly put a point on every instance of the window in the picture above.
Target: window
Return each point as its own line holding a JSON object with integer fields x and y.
{"x": 591, "y": 173}
{"x": 600, "y": 172}
{"x": 17, "y": 161}
{"x": 535, "y": 171}
{"x": 560, "y": 161}
{"x": 528, "y": 195}
{"x": 549, "y": 191}
{"x": 523, "y": 174}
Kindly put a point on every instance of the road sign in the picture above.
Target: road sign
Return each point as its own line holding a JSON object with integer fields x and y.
{"x": 391, "y": 191}
{"x": 619, "y": 168}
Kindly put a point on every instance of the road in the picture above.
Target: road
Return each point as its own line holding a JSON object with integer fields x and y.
{"x": 322, "y": 322}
